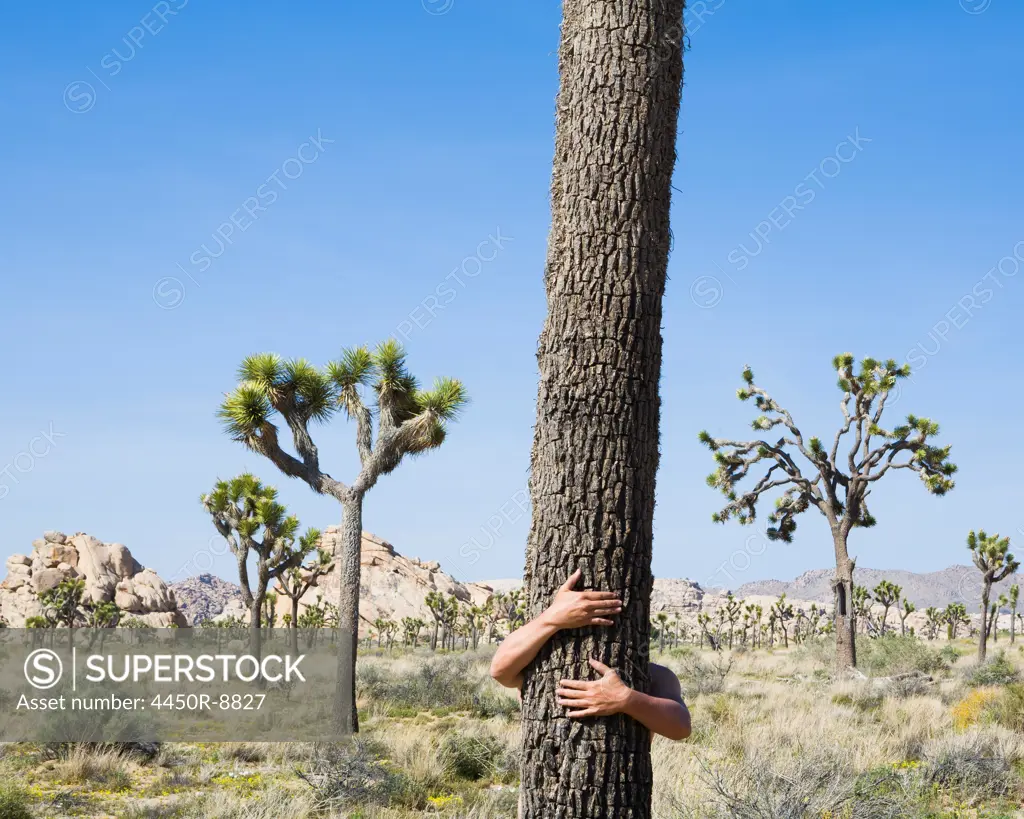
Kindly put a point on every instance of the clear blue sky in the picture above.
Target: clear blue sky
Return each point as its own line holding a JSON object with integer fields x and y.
{"x": 133, "y": 135}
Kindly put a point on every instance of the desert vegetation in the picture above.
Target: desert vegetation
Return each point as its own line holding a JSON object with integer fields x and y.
{"x": 930, "y": 732}
{"x": 837, "y": 478}
{"x": 394, "y": 418}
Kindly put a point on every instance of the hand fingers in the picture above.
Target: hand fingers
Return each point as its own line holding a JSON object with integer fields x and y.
{"x": 599, "y": 621}
{"x": 573, "y": 579}
{"x": 581, "y": 685}
{"x": 602, "y": 595}
{"x": 601, "y": 608}
{"x": 600, "y": 667}
{"x": 571, "y": 694}
{"x": 587, "y": 712}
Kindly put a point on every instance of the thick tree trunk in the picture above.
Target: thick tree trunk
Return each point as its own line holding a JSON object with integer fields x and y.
{"x": 595, "y": 452}
{"x": 256, "y": 628}
{"x": 983, "y": 635}
{"x": 844, "y": 614}
{"x": 348, "y": 615}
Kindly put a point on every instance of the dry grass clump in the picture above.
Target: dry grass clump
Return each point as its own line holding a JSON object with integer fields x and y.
{"x": 83, "y": 765}
{"x": 440, "y": 683}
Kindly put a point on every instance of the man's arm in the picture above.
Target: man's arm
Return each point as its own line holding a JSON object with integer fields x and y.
{"x": 662, "y": 711}
{"x": 569, "y": 609}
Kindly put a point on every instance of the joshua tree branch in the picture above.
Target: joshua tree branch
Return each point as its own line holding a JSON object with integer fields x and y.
{"x": 266, "y": 443}
{"x": 364, "y": 433}
{"x": 393, "y": 445}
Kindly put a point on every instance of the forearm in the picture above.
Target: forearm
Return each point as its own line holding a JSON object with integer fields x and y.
{"x": 518, "y": 650}
{"x": 661, "y": 716}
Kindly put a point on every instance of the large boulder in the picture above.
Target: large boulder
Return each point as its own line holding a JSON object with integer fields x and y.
{"x": 391, "y": 585}
{"x": 108, "y": 570}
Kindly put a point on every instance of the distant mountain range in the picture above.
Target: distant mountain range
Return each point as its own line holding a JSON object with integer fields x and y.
{"x": 957, "y": 584}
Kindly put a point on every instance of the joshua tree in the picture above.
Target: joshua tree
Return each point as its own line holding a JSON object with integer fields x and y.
{"x": 992, "y": 556}
{"x": 452, "y": 613}
{"x": 660, "y": 625}
{"x": 933, "y": 619}
{"x": 298, "y": 580}
{"x": 783, "y": 613}
{"x": 704, "y": 621}
{"x": 862, "y": 607}
{"x": 955, "y": 616}
{"x": 61, "y": 603}
{"x": 905, "y": 611}
{"x": 1014, "y": 598}
{"x": 733, "y": 608}
{"x": 386, "y": 628}
{"x": 493, "y": 615}
{"x": 476, "y": 619}
{"x": 677, "y": 631}
{"x": 247, "y": 515}
{"x": 809, "y": 475}
{"x": 364, "y": 385}
{"x": 411, "y": 627}
{"x": 997, "y": 607}
{"x": 887, "y": 595}
{"x": 437, "y": 606}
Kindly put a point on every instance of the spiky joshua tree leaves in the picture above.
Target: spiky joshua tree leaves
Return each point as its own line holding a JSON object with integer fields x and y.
{"x": 247, "y": 515}
{"x": 393, "y": 418}
{"x": 836, "y": 481}
{"x": 994, "y": 560}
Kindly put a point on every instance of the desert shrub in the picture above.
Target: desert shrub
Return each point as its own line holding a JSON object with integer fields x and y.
{"x": 277, "y": 803}
{"x": 863, "y": 696}
{"x": 85, "y": 764}
{"x": 973, "y": 708}
{"x": 436, "y": 682}
{"x": 443, "y": 684}
{"x": 14, "y": 803}
{"x": 352, "y": 773}
{"x": 721, "y": 710}
{"x": 1008, "y": 709}
{"x": 809, "y": 786}
{"x": 699, "y": 676}
{"x": 895, "y": 654}
{"x": 998, "y": 670}
{"x": 949, "y": 653}
{"x": 819, "y": 650}
{"x": 495, "y": 701}
{"x": 908, "y": 685}
{"x": 243, "y": 752}
{"x": 476, "y": 755}
{"x": 974, "y": 765}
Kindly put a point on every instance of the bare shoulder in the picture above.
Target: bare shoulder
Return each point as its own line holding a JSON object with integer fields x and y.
{"x": 664, "y": 683}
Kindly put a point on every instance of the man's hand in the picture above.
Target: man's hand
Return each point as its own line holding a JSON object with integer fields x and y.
{"x": 573, "y": 609}
{"x": 596, "y": 698}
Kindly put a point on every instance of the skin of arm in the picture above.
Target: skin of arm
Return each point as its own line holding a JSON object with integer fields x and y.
{"x": 661, "y": 712}
{"x": 569, "y": 609}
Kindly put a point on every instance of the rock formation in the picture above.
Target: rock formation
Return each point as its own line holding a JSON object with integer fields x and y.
{"x": 206, "y": 596}
{"x": 391, "y": 585}
{"x": 108, "y": 569}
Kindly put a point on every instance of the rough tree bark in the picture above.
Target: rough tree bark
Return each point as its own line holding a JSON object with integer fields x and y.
{"x": 986, "y": 594}
{"x": 595, "y": 453}
{"x": 348, "y": 611}
{"x": 845, "y": 616}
